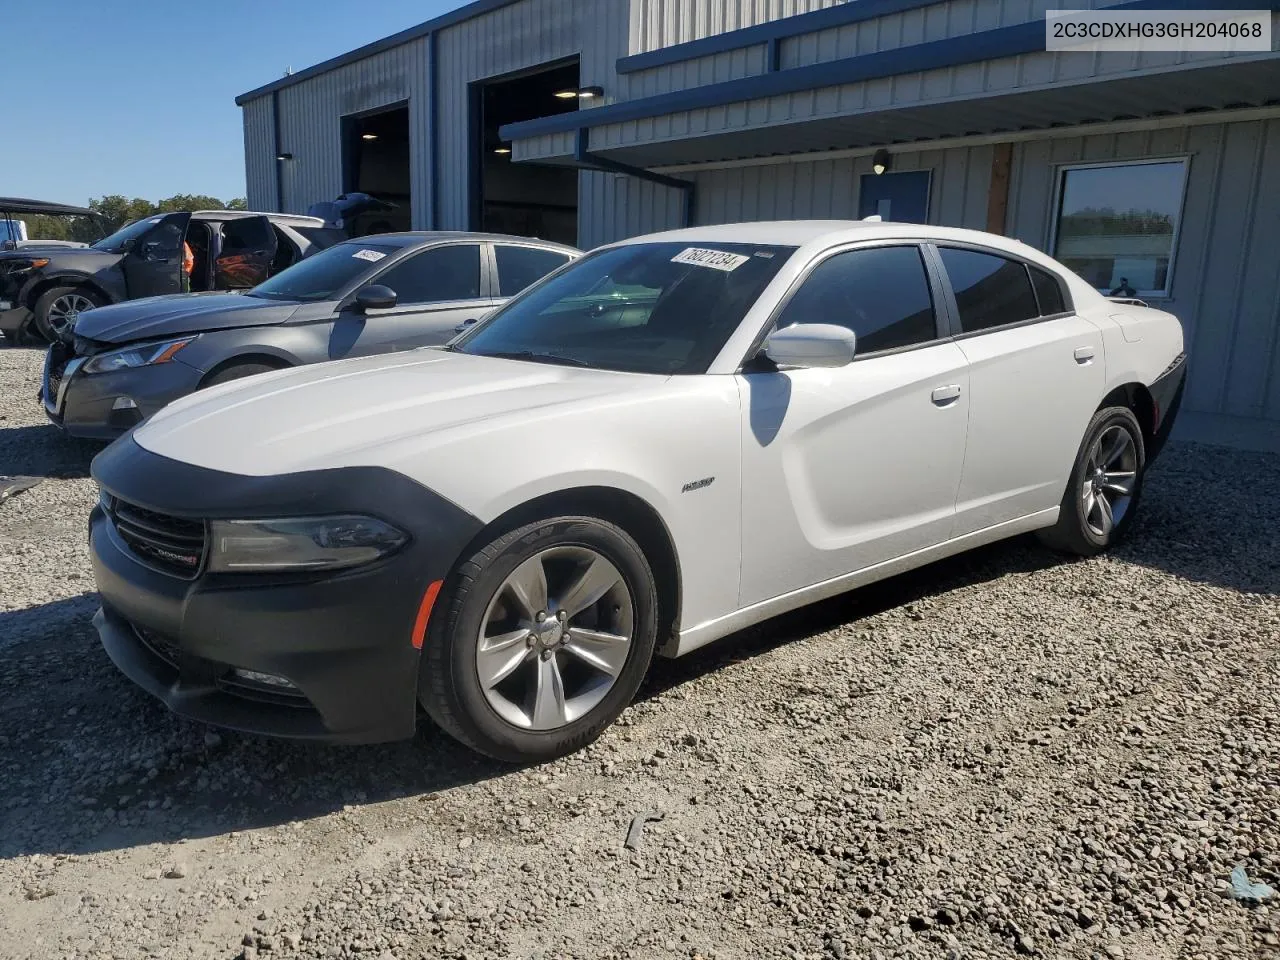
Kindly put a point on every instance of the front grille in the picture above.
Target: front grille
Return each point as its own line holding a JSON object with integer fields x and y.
{"x": 161, "y": 646}
{"x": 173, "y": 545}
{"x": 55, "y": 365}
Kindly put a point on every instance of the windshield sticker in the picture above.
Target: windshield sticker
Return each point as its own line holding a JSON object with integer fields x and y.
{"x": 373, "y": 256}
{"x": 715, "y": 259}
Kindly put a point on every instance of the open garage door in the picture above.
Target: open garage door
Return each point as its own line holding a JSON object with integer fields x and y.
{"x": 376, "y": 161}
{"x": 522, "y": 199}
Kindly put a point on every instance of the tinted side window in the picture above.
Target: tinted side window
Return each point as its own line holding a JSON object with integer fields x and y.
{"x": 251, "y": 233}
{"x": 1048, "y": 292}
{"x": 442, "y": 273}
{"x": 520, "y": 267}
{"x": 881, "y": 294}
{"x": 990, "y": 290}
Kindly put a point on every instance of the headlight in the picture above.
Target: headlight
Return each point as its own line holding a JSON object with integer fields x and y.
{"x": 143, "y": 355}
{"x": 301, "y": 543}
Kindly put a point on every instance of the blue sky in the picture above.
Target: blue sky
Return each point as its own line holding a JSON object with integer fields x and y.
{"x": 138, "y": 97}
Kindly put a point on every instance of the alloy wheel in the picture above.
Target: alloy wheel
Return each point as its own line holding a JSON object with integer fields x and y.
{"x": 64, "y": 311}
{"x": 554, "y": 638}
{"x": 1110, "y": 480}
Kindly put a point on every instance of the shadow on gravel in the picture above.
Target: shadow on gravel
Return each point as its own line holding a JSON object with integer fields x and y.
{"x": 45, "y": 451}
{"x": 1210, "y": 515}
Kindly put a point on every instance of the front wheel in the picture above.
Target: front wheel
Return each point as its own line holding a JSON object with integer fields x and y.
{"x": 56, "y": 310}
{"x": 541, "y": 639}
{"x": 1105, "y": 486}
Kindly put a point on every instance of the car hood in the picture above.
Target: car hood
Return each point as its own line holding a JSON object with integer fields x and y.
{"x": 367, "y": 411}
{"x": 156, "y": 317}
{"x": 28, "y": 247}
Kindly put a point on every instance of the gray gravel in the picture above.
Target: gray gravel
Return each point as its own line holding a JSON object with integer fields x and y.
{"x": 1002, "y": 755}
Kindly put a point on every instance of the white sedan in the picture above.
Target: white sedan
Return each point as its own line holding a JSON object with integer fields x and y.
{"x": 674, "y": 437}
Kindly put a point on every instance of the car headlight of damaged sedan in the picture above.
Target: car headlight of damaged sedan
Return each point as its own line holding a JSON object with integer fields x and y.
{"x": 143, "y": 355}
{"x": 301, "y": 543}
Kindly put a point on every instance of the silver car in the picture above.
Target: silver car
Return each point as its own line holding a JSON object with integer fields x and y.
{"x": 119, "y": 364}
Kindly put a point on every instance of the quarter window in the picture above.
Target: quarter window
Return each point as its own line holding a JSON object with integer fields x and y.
{"x": 1048, "y": 292}
{"x": 520, "y": 267}
{"x": 441, "y": 273}
{"x": 881, "y": 294}
{"x": 990, "y": 291}
{"x": 1117, "y": 223}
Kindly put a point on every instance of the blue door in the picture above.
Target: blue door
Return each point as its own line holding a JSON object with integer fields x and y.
{"x": 903, "y": 197}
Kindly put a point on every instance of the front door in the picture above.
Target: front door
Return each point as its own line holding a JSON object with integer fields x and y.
{"x": 900, "y": 197}
{"x": 153, "y": 264}
{"x": 1037, "y": 374}
{"x": 436, "y": 290}
{"x": 245, "y": 254}
{"x": 847, "y": 468}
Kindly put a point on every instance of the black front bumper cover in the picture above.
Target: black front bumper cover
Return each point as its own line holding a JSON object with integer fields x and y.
{"x": 344, "y": 639}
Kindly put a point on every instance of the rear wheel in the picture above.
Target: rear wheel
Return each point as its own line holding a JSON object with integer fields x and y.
{"x": 1105, "y": 486}
{"x": 541, "y": 639}
{"x": 237, "y": 371}
{"x": 57, "y": 308}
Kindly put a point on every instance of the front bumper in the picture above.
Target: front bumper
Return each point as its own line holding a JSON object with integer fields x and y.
{"x": 343, "y": 640}
{"x": 102, "y": 406}
{"x": 13, "y": 320}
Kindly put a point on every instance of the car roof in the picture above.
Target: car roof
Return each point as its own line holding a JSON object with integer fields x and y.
{"x": 294, "y": 219}
{"x": 411, "y": 237}
{"x": 826, "y": 233}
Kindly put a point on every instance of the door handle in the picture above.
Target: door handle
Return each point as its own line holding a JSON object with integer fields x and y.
{"x": 464, "y": 324}
{"x": 1084, "y": 355}
{"x": 945, "y": 396}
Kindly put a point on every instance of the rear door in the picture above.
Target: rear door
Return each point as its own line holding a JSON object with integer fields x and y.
{"x": 437, "y": 289}
{"x": 153, "y": 264}
{"x": 245, "y": 254}
{"x": 1036, "y": 376}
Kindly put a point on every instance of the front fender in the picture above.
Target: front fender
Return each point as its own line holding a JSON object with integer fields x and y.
{"x": 37, "y": 285}
{"x": 284, "y": 345}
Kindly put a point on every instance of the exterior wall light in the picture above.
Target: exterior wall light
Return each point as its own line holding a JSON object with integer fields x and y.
{"x": 566, "y": 94}
{"x": 502, "y": 151}
{"x": 590, "y": 93}
{"x": 368, "y": 136}
{"x": 882, "y": 162}
{"x": 284, "y": 156}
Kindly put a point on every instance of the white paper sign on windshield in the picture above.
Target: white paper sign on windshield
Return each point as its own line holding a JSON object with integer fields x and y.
{"x": 715, "y": 259}
{"x": 373, "y": 256}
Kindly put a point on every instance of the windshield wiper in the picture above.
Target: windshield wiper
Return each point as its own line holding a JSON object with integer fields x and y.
{"x": 537, "y": 357}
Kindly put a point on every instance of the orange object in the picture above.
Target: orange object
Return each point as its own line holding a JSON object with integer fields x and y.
{"x": 188, "y": 258}
{"x": 424, "y": 612}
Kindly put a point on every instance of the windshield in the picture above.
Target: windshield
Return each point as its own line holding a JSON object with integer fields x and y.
{"x": 646, "y": 308}
{"x": 321, "y": 277}
{"x": 115, "y": 242}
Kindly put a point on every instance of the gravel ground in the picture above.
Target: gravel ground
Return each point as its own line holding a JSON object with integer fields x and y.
{"x": 1001, "y": 755}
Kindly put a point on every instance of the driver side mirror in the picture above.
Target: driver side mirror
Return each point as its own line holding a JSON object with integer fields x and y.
{"x": 811, "y": 345}
{"x": 375, "y": 297}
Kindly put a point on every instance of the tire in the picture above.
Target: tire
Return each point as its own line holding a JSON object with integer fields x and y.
{"x": 52, "y": 306}
{"x": 1095, "y": 513}
{"x": 237, "y": 371}
{"x": 505, "y": 718}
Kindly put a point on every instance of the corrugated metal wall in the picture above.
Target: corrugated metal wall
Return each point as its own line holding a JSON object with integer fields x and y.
{"x": 828, "y": 189}
{"x": 662, "y": 23}
{"x": 1226, "y": 285}
{"x": 311, "y": 115}
{"x": 259, "y": 155}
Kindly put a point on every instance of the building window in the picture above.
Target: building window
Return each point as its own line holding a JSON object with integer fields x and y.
{"x": 1117, "y": 224}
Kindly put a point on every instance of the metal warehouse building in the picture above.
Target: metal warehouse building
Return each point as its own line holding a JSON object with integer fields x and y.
{"x": 591, "y": 120}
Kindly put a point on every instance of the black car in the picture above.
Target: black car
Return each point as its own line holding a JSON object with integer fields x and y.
{"x": 44, "y": 288}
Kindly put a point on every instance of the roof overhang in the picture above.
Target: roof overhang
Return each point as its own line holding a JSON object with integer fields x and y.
{"x": 16, "y": 205}
{"x": 1215, "y": 86}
